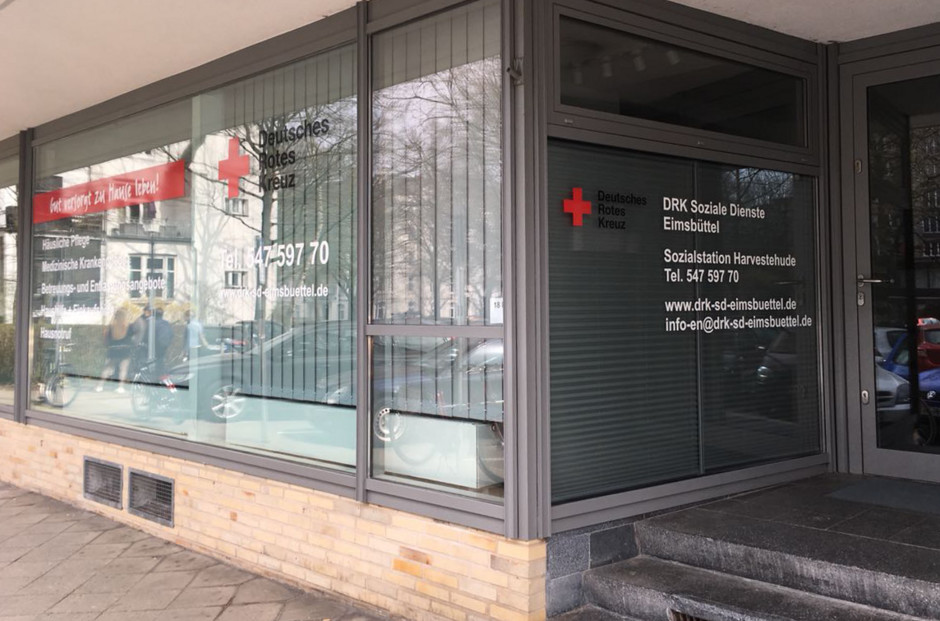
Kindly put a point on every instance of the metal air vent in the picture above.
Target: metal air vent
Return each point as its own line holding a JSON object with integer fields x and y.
{"x": 150, "y": 496}
{"x": 103, "y": 482}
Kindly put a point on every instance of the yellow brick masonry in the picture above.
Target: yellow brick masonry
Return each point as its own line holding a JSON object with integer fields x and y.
{"x": 409, "y": 565}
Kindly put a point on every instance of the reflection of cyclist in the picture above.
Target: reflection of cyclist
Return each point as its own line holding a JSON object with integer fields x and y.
{"x": 119, "y": 341}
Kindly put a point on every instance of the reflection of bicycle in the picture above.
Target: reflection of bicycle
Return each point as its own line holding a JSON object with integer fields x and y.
{"x": 154, "y": 391}
{"x": 61, "y": 383}
{"x": 62, "y": 387}
{"x": 397, "y": 430}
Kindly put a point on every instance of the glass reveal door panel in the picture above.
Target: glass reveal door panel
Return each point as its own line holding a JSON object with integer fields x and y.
{"x": 904, "y": 244}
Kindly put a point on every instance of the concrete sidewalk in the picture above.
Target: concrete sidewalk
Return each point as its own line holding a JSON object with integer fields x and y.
{"x": 60, "y": 562}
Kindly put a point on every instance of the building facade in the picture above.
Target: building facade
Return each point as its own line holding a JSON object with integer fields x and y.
{"x": 408, "y": 300}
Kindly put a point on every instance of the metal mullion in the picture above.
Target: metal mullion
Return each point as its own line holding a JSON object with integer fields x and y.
{"x": 435, "y": 331}
{"x": 24, "y": 277}
{"x": 364, "y": 234}
{"x": 662, "y": 145}
{"x": 512, "y": 98}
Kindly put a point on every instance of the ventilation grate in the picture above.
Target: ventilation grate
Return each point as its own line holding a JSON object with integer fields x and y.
{"x": 675, "y": 615}
{"x": 103, "y": 482}
{"x": 151, "y": 497}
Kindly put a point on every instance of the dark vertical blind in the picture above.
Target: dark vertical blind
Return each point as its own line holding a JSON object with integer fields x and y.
{"x": 634, "y": 403}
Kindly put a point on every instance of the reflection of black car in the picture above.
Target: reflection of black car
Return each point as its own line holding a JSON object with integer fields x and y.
{"x": 446, "y": 381}
{"x": 244, "y": 335}
{"x": 313, "y": 362}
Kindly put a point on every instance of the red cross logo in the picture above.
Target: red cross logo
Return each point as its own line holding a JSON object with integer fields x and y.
{"x": 577, "y": 207}
{"x": 234, "y": 168}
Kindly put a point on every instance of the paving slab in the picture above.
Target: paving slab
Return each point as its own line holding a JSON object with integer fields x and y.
{"x": 58, "y": 562}
{"x": 185, "y": 560}
{"x": 221, "y": 575}
{"x": 204, "y": 596}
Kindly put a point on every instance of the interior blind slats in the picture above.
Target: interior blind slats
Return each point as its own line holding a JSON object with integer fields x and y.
{"x": 633, "y": 404}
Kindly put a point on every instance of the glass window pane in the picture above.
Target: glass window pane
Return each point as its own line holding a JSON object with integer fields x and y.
{"x": 682, "y": 318}
{"x": 437, "y": 138}
{"x": 438, "y": 413}
{"x": 619, "y": 73}
{"x": 200, "y": 262}
{"x": 9, "y": 176}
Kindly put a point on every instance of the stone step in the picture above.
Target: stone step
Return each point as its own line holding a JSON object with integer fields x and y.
{"x": 591, "y": 613}
{"x": 887, "y": 575}
{"x": 649, "y": 588}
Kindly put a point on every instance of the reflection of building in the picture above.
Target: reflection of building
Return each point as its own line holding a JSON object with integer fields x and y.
{"x": 925, "y": 186}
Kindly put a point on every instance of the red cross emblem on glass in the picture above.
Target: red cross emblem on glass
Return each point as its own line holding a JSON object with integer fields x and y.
{"x": 234, "y": 168}
{"x": 577, "y": 207}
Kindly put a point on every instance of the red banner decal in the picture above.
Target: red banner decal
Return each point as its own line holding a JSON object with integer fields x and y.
{"x": 157, "y": 183}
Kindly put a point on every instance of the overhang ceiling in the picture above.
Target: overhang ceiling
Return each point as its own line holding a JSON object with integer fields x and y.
{"x": 60, "y": 56}
{"x": 826, "y": 20}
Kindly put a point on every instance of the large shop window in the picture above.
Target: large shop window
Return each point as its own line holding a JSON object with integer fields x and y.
{"x": 9, "y": 175}
{"x": 195, "y": 267}
{"x": 614, "y": 72}
{"x": 436, "y": 251}
{"x": 683, "y": 331}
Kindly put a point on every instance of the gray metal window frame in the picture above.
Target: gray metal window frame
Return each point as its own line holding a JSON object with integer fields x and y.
{"x": 476, "y": 513}
{"x": 633, "y": 18}
{"x": 330, "y": 33}
{"x": 724, "y": 38}
{"x": 13, "y": 147}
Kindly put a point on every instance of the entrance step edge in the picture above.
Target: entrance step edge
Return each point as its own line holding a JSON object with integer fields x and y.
{"x": 887, "y": 575}
{"x": 591, "y": 613}
{"x": 648, "y": 588}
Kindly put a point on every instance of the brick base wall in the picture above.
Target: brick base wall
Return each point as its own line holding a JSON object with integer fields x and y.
{"x": 409, "y": 565}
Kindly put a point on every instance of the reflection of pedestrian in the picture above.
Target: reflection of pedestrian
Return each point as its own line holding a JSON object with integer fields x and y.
{"x": 140, "y": 337}
{"x": 119, "y": 342}
{"x": 195, "y": 335}
{"x": 162, "y": 338}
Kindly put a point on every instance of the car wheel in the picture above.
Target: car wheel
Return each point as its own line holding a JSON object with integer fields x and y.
{"x": 225, "y": 402}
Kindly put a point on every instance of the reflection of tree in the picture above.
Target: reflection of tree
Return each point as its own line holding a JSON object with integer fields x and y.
{"x": 755, "y": 187}
{"x": 436, "y": 187}
{"x": 324, "y": 164}
{"x": 925, "y": 190}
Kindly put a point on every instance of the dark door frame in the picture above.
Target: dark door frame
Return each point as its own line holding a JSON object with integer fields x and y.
{"x": 890, "y": 58}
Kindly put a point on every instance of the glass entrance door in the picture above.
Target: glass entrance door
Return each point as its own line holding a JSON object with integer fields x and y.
{"x": 897, "y": 286}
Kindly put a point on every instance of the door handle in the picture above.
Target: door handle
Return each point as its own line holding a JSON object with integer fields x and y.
{"x": 861, "y": 280}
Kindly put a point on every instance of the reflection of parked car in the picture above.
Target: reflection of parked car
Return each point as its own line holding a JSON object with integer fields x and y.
{"x": 886, "y": 339}
{"x": 244, "y": 335}
{"x": 312, "y": 362}
{"x": 448, "y": 382}
{"x": 928, "y": 352}
{"x": 893, "y": 393}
